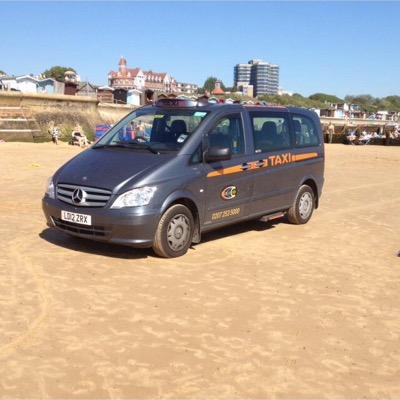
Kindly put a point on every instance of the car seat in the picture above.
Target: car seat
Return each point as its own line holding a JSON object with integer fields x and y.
{"x": 177, "y": 128}
{"x": 158, "y": 130}
{"x": 264, "y": 138}
{"x": 297, "y": 132}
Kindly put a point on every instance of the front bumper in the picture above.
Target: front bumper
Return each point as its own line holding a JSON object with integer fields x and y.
{"x": 134, "y": 227}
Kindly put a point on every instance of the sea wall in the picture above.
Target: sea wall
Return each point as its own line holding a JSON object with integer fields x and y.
{"x": 28, "y": 117}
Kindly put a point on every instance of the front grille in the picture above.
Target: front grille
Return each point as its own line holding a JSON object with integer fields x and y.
{"x": 82, "y": 196}
{"x": 81, "y": 229}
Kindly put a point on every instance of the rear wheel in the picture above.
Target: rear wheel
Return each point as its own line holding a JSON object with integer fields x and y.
{"x": 174, "y": 232}
{"x": 303, "y": 206}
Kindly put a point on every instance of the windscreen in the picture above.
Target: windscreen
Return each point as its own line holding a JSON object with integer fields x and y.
{"x": 156, "y": 129}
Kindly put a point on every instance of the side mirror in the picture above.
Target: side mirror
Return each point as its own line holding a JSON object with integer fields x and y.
{"x": 214, "y": 154}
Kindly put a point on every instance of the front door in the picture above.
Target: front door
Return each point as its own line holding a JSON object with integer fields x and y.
{"x": 229, "y": 183}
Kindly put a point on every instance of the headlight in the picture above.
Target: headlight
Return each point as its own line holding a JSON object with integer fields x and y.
{"x": 135, "y": 197}
{"x": 50, "y": 188}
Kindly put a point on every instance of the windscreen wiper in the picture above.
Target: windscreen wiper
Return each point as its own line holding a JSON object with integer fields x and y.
{"x": 137, "y": 145}
{"x": 128, "y": 145}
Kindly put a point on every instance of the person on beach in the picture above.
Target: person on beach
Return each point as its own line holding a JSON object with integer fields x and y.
{"x": 331, "y": 131}
{"x": 365, "y": 137}
{"x": 79, "y": 137}
{"x": 351, "y": 137}
{"x": 55, "y": 134}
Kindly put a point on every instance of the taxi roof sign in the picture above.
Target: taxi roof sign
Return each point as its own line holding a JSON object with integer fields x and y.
{"x": 176, "y": 103}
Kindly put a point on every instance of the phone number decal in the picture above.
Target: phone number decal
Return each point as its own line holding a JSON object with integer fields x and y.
{"x": 225, "y": 214}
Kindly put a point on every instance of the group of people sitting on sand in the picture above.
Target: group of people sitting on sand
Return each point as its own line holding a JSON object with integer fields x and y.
{"x": 78, "y": 137}
{"x": 355, "y": 137}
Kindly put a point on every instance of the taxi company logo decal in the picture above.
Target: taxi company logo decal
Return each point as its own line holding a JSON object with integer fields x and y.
{"x": 271, "y": 161}
{"x": 229, "y": 193}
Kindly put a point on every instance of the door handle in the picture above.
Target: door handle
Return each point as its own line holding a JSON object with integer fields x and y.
{"x": 253, "y": 164}
{"x": 245, "y": 166}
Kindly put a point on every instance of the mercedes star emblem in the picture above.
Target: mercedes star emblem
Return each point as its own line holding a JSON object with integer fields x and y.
{"x": 78, "y": 196}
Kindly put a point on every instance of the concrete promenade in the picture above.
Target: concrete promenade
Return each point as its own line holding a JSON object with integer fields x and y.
{"x": 26, "y": 116}
{"x": 354, "y": 122}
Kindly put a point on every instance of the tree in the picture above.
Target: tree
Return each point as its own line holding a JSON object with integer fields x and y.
{"x": 57, "y": 72}
{"x": 360, "y": 98}
{"x": 325, "y": 98}
{"x": 296, "y": 100}
{"x": 392, "y": 103}
{"x": 209, "y": 84}
{"x": 366, "y": 101}
{"x": 2, "y": 73}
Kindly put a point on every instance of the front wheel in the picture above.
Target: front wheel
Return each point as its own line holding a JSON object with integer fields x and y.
{"x": 174, "y": 232}
{"x": 303, "y": 206}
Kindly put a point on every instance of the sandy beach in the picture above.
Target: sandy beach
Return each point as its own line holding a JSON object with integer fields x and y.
{"x": 259, "y": 310}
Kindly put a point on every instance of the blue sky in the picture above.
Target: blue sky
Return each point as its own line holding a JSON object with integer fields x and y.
{"x": 333, "y": 47}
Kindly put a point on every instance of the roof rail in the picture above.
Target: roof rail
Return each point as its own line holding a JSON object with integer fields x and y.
{"x": 205, "y": 100}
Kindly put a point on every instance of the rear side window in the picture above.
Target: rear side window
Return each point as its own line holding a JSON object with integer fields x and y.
{"x": 270, "y": 132}
{"x": 305, "y": 131}
{"x": 228, "y": 132}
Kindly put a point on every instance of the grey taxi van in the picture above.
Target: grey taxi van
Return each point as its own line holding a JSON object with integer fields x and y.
{"x": 168, "y": 172}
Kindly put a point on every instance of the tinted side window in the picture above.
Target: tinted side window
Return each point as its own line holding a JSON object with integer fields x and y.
{"x": 228, "y": 133}
{"x": 305, "y": 131}
{"x": 270, "y": 132}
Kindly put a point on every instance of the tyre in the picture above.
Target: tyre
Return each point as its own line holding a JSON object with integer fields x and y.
{"x": 174, "y": 232}
{"x": 303, "y": 206}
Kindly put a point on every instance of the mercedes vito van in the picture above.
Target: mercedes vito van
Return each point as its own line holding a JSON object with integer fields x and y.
{"x": 168, "y": 172}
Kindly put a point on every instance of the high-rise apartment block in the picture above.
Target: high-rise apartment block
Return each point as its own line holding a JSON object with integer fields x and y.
{"x": 263, "y": 76}
{"x": 242, "y": 74}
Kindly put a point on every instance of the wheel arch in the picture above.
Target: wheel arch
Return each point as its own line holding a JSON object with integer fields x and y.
{"x": 313, "y": 185}
{"x": 186, "y": 199}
